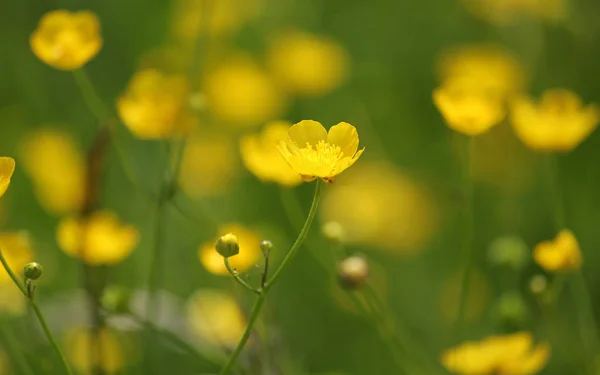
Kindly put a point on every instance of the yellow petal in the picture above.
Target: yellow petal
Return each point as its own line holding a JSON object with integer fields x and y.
{"x": 346, "y": 163}
{"x": 307, "y": 132}
{"x": 7, "y": 167}
{"x": 344, "y": 136}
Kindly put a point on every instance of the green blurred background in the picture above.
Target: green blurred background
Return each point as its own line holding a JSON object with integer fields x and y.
{"x": 392, "y": 47}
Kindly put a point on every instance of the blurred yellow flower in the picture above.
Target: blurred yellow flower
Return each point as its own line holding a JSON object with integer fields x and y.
{"x": 260, "y": 155}
{"x": 467, "y": 108}
{"x": 378, "y": 206}
{"x": 559, "y": 122}
{"x": 487, "y": 67}
{"x": 314, "y": 153}
{"x": 154, "y": 105}
{"x": 307, "y": 64}
{"x": 560, "y": 254}
{"x": 249, "y": 251}
{"x": 215, "y": 317}
{"x": 7, "y": 168}
{"x": 504, "y": 11}
{"x": 16, "y": 248}
{"x": 100, "y": 239}
{"x": 214, "y": 17}
{"x": 240, "y": 93}
{"x": 67, "y": 40}
{"x": 109, "y": 352}
{"x": 57, "y": 169}
{"x": 209, "y": 165}
{"x": 513, "y": 354}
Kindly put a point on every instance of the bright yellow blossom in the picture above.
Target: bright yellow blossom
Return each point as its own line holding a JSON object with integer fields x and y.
{"x": 467, "y": 108}
{"x": 559, "y": 122}
{"x": 80, "y": 342}
{"x": 314, "y": 153}
{"x": 7, "y": 168}
{"x": 240, "y": 93}
{"x": 307, "y": 64}
{"x": 513, "y": 354}
{"x": 209, "y": 165}
{"x": 260, "y": 155}
{"x": 250, "y": 253}
{"x": 560, "y": 254}
{"x": 57, "y": 169}
{"x": 215, "y": 317}
{"x": 101, "y": 239}
{"x": 67, "y": 40}
{"x": 153, "y": 105}
{"x": 16, "y": 248}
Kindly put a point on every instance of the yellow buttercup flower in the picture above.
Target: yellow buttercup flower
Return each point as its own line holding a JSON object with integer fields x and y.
{"x": 559, "y": 122}
{"x": 57, "y": 169}
{"x": 389, "y": 211}
{"x": 307, "y": 64}
{"x": 260, "y": 155}
{"x": 7, "y": 168}
{"x": 153, "y": 105}
{"x": 485, "y": 67}
{"x": 209, "y": 165}
{"x": 100, "y": 239}
{"x": 67, "y": 40}
{"x": 109, "y": 352}
{"x": 250, "y": 253}
{"x": 314, "y": 153}
{"x": 467, "y": 108}
{"x": 513, "y": 354}
{"x": 560, "y": 254}
{"x": 16, "y": 248}
{"x": 240, "y": 93}
{"x": 215, "y": 317}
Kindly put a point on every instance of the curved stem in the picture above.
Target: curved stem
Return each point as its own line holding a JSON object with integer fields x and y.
{"x": 237, "y": 277}
{"x": 261, "y": 297}
{"x": 37, "y": 312}
{"x": 301, "y": 237}
{"x": 90, "y": 96}
{"x": 467, "y": 252}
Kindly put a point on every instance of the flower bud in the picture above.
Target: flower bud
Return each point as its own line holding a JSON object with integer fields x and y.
{"x": 353, "y": 272}
{"x": 511, "y": 308}
{"x": 265, "y": 247}
{"x": 509, "y": 251}
{"x": 538, "y": 284}
{"x": 333, "y": 231}
{"x": 228, "y": 245}
{"x": 116, "y": 299}
{"x": 33, "y": 271}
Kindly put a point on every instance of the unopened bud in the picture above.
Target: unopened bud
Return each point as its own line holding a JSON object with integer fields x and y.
{"x": 333, "y": 231}
{"x": 538, "y": 284}
{"x": 509, "y": 251}
{"x": 33, "y": 271}
{"x": 228, "y": 245}
{"x": 511, "y": 308}
{"x": 116, "y": 299}
{"x": 353, "y": 272}
{"x": 266, "y": 246}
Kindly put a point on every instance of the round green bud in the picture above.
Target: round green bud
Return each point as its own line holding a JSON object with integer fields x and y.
{"x": 509, "y": 251}
{"x": 538, "y": 284}
{"x": 511, "y": 308}
{"x": 353, "y": 272}
{"x": 228, "y": 245}
{"x": 116, "y": 299}
{"x": 266, "y": 246}
{"x": 33, "y": 271}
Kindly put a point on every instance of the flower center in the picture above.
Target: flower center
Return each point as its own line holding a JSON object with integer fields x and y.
{"x": 323, "y": 153}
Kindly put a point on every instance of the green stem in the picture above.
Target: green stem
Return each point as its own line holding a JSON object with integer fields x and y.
{"x": 556, "y": 194}
{"x": 467, "y": 253}
{"x": 237, "y": 277}
{"x": 157, "y": 259}
{"x": 301, "y": 237}
{"x": 261, "y": 297}
{"x": 90, "y": 96}
{"x": 37, "y": 312}
{"x": 12, "y": 347}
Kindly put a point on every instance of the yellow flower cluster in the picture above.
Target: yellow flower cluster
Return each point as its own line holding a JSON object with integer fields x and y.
{"x": 7, "y": 168}
{"x": 57, "y": 169}
{"x": 100, "y": 239}
{"x": 477, "y": 82}
{"x": 513, "y": 354}
{"x": 67, "y": 40}
{"x": 260, "y": 155}
{"x": 560, "y": 254}
{"x": 215, "y": 317}
{"x": 80, "y": 342}
{"x": 249, "y": 243}
{"x": 154, "y": 105}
